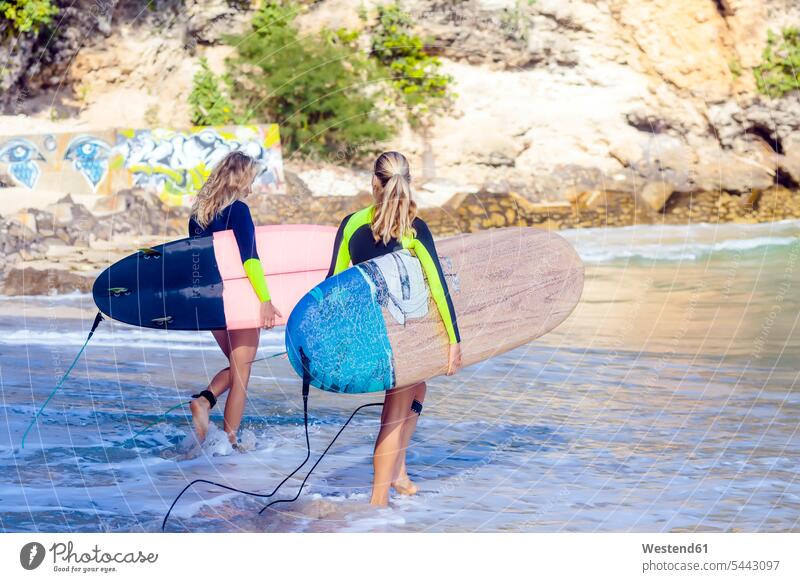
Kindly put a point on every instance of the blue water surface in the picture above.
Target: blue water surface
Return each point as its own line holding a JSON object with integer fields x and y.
{"x": 667, "y": 402}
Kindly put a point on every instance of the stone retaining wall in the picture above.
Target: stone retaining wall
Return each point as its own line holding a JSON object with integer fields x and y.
{"x": 597, "y": 209}
{"x": 62, "y": 248}
{"x": 481, "y": 211}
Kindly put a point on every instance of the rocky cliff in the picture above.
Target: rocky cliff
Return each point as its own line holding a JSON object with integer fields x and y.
{"x": 555, "y": 97}
{"x": 558, "y": 95}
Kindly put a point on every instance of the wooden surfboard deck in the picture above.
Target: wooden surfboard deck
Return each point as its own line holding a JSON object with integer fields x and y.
{"x": 508, "y": 287}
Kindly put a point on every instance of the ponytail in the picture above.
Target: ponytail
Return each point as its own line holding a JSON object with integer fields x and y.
{"x": 395, "y": 210}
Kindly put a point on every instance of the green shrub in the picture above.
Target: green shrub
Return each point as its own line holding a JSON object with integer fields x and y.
{"x": 315, "y": 87}
{"x": 780, "y": 66}
{"x": 413, "y": 71}
{"x": 209, "y": 103}
{"x": 27, "y": 15}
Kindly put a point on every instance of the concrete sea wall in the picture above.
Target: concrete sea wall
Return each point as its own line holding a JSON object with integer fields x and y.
{"x": 170, "y": 163}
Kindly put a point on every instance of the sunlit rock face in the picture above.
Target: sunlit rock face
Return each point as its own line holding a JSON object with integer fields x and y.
{"x": 551, "y": 96}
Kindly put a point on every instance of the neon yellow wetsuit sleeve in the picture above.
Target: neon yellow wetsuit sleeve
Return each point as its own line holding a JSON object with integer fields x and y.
{"x": 424, "y": 249}
{"x": 341, "y": 259}
{"x": 241, "y": 222}
{"x": 255, "y": 273}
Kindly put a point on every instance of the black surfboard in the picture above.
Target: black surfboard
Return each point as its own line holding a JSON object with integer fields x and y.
{"x": 176, "y": 285}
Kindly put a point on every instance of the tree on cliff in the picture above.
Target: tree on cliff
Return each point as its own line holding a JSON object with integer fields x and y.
{"x": 23, "y": 16}
{"x": 209, "y": 102}
{"x": 317, "y": 88}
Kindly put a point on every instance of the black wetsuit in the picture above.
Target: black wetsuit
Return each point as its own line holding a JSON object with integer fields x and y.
{"x": 355, "y": 244}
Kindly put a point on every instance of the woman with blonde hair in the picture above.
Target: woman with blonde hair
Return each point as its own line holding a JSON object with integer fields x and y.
{"x": 220, "y": 206}
{"x": 391, "y": 224}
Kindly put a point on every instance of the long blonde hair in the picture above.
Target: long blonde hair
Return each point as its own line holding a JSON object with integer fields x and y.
{"x": 395, "y": 210}
{"x": 230, "y": 180}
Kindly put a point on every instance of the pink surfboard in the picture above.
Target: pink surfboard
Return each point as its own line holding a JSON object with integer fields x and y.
{"x": 295, "y": 258}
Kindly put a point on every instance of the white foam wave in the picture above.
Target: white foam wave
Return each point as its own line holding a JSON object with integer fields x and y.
{"x": 679, "y": 243}
{"x": 113, "y": 336}
{"x": 75, "y": 296}
{"x": 677, "y": 252}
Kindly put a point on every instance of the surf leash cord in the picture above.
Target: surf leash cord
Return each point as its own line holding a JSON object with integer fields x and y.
{"x": 306, "y": 390}
{"x": 303, "y": 484}
{"x": 252, "y": 493}
{"x": 97, "y": 319}
{"x": 306, "y": 384}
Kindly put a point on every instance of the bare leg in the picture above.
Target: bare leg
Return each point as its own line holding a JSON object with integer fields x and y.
{"x": 244, "y": 346}
{"x": 401, "y": 483}
{"x": 200, "y": 407}
{"x": 388, "y": 447}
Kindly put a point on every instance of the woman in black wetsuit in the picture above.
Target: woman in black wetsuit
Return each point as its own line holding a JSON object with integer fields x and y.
{"x": 219, "y": 206}
{"x": 384, "y": 227}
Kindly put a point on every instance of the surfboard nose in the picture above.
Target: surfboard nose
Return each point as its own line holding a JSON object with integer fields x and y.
{"x": 336, "y": 319}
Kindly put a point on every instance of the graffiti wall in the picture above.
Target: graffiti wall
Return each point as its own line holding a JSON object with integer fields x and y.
{"x": 171, "y": 163}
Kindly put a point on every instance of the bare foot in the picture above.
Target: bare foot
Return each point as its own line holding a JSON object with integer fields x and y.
{"x": 201, "y": 409}
{"x": 381, "y": 500}
{"x": 233, "y": 440}
{"x": 404, "y": 486}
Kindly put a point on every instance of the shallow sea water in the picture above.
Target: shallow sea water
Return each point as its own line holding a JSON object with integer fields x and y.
{"x": 667, "y": 402}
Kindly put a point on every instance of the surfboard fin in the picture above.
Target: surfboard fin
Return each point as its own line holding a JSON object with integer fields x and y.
{"x": 149, "y": 253}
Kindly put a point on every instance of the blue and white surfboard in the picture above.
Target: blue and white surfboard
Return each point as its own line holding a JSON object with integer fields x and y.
{"x": 340, "y": 325}
{"x": 374, "y": 326}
